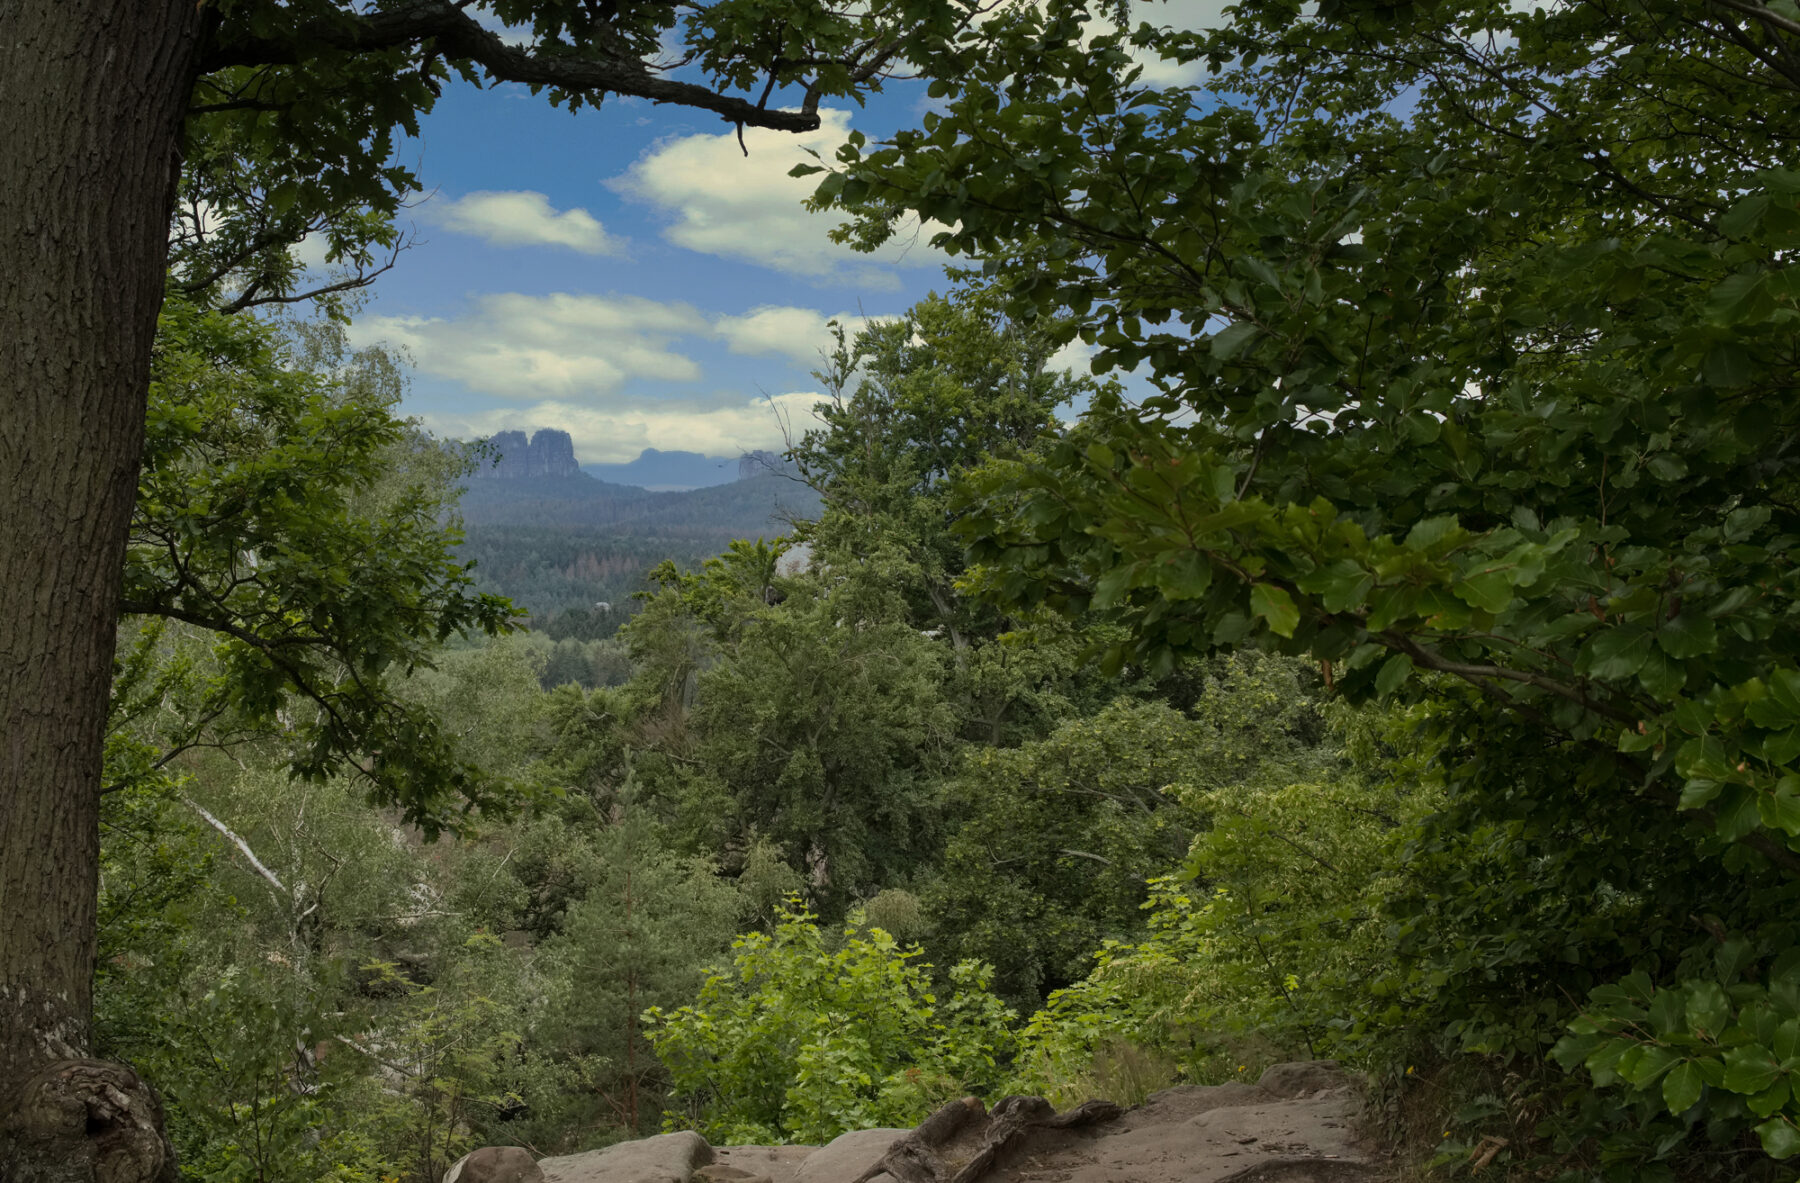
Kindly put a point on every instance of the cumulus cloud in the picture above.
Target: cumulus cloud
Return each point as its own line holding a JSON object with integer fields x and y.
{"x": 515, "y": 35}
{"x": 310, "y": 253}
{"x": 802, "y": 335}
{"x": 1186, "y": 15}
{"x": 522, "y": 217}
{"x": 1077, "y": 357}
{"x": 617, "y": 434}
{"x": 556, "y": 346}
{"x": 724, "y": 203}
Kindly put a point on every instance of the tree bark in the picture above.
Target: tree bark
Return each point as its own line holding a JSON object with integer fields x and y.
{"x": 91, "y": 100}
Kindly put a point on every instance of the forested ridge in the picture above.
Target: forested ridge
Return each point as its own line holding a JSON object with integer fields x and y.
{"x": 561, "y": 546}
{"x": 1409, "y": 678}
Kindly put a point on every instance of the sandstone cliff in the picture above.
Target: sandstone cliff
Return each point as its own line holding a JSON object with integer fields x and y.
{"x": 548, "y": 453}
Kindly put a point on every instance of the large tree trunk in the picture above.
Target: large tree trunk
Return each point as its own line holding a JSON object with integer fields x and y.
{"x": 91, "y": 101}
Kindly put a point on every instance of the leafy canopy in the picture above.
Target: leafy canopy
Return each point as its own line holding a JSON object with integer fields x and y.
{"x": 1473, "y": 335}
{"x": 285, "y": 511}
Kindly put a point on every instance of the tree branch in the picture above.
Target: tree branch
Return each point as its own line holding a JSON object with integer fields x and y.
{"x": 256, "y": 864}
{"x": 456, "y": 35}
{"x": 1768, "y": 16}
{"x": 251, "y": 298}
{"x": 1432, "y": 660}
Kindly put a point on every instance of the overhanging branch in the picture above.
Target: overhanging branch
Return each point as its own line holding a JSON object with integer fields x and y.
{"x": 457, "y": 36}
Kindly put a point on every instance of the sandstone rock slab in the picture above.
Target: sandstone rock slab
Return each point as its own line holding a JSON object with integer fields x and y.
{"x": 495, "y": 1164}
{"x": 777, "y": 1164}
{"x": 845, "y": 1158}
{"x": 665, "y": 1158}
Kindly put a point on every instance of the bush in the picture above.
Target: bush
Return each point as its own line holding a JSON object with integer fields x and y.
{"x": 797, "y": 1042}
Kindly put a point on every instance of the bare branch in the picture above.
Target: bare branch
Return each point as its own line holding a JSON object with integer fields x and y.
{"x": 256, "y": 864}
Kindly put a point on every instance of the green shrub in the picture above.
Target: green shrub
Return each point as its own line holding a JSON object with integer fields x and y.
{"x": 799, "y": 1042}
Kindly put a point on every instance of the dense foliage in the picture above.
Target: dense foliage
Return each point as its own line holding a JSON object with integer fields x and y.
{"x": 798, "y": 1042}
{"x": 320, "y": 992}
{"x": 1408, "y": 679}
{"x": 1472, "y": 328}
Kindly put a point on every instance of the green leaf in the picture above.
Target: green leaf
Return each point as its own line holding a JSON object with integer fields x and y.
{"x": 1782, "y": 749}
{"x": 1780, "y": 1139}
{"x": 1394, "y": 672}
{"x": 1779, "y": 808}
{"x": 1739, "y": 811}
{"x": 1750, "y": 1069}
{"x": 1112, "y": 587}
{"x": 1618, "y": 652}
{"x": 1275, "y": 606}
{"x": 1483, "y": 587}
{"x": 1681, "y": 1088}
{"x": 1340, "y": 586}
{"x": 1740, "y": 220}
{"x": 1227, "y": 342}
{"x": 1770, "y": 1099}
{"x": 1662, "y": 676}
{"x": 1666, "y": 1012}
{"x": 1786, "y": 1044}
{"x": 1708, "y": 1010}
{"x": 1651, "y": 1062}
{"x": 1429, "y": 532}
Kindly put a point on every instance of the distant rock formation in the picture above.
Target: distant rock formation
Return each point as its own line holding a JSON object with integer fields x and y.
{"x": 548, "y": 453}
{"x": 756, "y": 463}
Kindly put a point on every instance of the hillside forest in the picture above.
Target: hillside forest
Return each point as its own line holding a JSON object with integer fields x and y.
{"x": 561, "y": 546}
{"x": 1402, "y": 669}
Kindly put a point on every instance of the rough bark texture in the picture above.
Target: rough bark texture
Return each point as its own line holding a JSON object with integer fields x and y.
{"x": 91, "y": 99}
{"x": 78, "y": 1121}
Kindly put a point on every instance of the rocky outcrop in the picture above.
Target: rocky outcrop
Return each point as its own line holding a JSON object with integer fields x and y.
{"x": 666, "y": 1158}
{"x": 1295, "y": 1125}
{"x": 548, "y": 453}
{"x": 495, "y": 1164}
{"x": 760, "y": 461}
{"x": 848, "y": 1157}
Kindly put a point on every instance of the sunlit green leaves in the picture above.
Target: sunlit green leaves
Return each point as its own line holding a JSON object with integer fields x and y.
{"x": 799, "y": 1041}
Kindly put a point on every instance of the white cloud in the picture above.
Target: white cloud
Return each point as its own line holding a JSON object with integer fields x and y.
{"x": 1182, "y": 15}
{"x": 613, "y": 435}
{"x": 1077, "y": 357}
{"x": 746, "y": 207}
{"x": 802, "y": 335}
{"x": 521, "y": 218}
{"x": 310, "y": 253}
{"x": 519, "y": 36}
{"x": 558, "y": 346}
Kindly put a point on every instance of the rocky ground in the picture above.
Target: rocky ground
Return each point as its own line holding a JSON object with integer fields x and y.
{"x": 1297, "y": 1124}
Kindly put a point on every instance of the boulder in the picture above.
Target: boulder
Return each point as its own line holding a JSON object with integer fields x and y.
{"x": 666, "y": 1158}
{"x": 845, "y": 1158}
{"x": 720, "y": 1173}
{"x": 495, "y": 1164}
{"x": 777, "y": 1164}
{"x": 1304, "y": 1078}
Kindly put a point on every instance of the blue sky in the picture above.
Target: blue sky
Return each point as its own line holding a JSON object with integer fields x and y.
{"x": 628, "y": 274}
